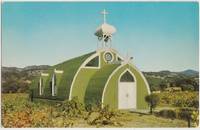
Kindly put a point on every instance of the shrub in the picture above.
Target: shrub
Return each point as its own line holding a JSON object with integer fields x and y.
{"x": 71, "y": 108}
{"x": 179, "y": 103}
{"x": 195, "y": 103}
{"x": 185, "y": 114}
{"x": 179, "y": 99}
{"x": 187, "y": 87}
{"x": 191, "y": 115}
{"x": 163, "y": 85}
{"x": 195, "y": 118}
{"x": 186, "y": 102}
{"x": 153, "y": 101}
{"x": 167, "y": 113}
{"x": 102, "y": 116}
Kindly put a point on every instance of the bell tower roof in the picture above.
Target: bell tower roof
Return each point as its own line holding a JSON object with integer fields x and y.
{"x": 105, "y": 31}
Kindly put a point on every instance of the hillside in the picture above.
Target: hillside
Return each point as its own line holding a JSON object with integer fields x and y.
{"x": 190, "y": 72}
{"x": 187, "y": 80}
{"x": 19, "y": 79}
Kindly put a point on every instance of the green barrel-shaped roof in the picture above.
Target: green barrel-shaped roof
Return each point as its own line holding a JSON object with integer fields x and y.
{"x": 97, "y": 83}
{"x": 64, "y": 80}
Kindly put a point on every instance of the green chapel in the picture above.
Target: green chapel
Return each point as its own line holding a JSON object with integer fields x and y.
{"x": 101, "y": 76}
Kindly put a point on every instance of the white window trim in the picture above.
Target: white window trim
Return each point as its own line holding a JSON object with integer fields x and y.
{"x": 44, "y": 74}
{"x": 118, "y": 56}
{"x": 58, "y": 71}
{"x": 83, "y": 66}
{"x": 111, "y": 54}
{"x": 40, "y": 86}
{"x": 145, "y": 81}
{"x": 104, "y": 90}
{"x": 89, "y": 59}
{"x": 135, "y": 81}
{"x": 53, "y": 87}
{"x": 122, "y": 65}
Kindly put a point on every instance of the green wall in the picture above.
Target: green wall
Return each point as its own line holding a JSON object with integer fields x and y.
{"x": 96, "y": 84}
{"x": 111, "y": 93}
{"x": 81, "y": 83}
{"x": 90, "y": 82}
{"x": 64, "y": 81}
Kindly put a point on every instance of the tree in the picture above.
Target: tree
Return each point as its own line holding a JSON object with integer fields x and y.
{"x": 163, "y": 85}
{"x": 153, "y": 101}
{"x": 186, "y": 114}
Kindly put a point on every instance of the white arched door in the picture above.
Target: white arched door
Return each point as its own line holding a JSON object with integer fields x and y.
{"x": 127, "y": 91}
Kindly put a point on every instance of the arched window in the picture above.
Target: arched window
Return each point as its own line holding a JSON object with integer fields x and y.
{"x": 93, "y": 63}
{"x": 127, "y": 77}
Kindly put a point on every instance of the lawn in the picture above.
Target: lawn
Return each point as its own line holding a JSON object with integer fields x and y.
{"x": 18, "y": 111}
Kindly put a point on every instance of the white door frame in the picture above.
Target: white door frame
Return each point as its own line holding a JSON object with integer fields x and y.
{"x": 135, "y": 86}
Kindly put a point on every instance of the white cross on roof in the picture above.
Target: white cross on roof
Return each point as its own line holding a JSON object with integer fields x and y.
{"x": 104, "y": 15}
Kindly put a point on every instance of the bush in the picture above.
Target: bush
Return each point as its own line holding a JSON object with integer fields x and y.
{"x": 195, "y": 103}
{"x": 167, "y": 114}
{"x": 72, "y": 108}
{"x": 195, "y": 118}
{"x": 187, "y": 87}
{"x": 184, "y": 102}
{"x": 186, "y": 114}
{"x": 179, "y": 99}
{"x": 153, "y": 101}
{"x": 179, "y": 103}
{"x": 102, "y": 116}
{"x": 191, "y": 115}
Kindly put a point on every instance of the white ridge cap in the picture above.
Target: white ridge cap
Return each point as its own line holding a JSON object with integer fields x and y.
{"x": 44, "y": 74}
{"x": 58, "y": 71}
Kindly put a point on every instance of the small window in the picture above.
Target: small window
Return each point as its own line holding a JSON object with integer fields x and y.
{"x": 40, "y": 86}
{"x": 53, "y": 85}
{"x": 93, "y": 63}
{"x": 108, "y": 57}
{"x": 119, "y": 59}
{"x": 127, "y": 77}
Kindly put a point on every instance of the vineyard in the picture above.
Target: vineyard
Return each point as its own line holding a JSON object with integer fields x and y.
{"x": 180, "y": 99}
{"x": 18, "y": 111}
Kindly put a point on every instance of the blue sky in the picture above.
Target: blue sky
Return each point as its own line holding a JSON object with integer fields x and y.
{"x": 159, "y": 35}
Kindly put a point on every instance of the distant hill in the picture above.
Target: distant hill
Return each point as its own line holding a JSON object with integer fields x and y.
{"x": 10, "y": 69}
{"x": 167, "y": 73}
{"x": 35, "y": 67}
{"x": 28, "y": 68}
{"x": 190, "y": 72}
{"x": 172, "y": 79}
{"x": 19, "y": 79}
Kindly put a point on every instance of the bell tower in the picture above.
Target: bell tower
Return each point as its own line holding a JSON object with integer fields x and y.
{"x": 104, "y": 32}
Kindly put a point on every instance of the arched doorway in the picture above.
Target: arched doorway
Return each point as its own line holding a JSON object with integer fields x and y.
{"x": 127, "y": 90}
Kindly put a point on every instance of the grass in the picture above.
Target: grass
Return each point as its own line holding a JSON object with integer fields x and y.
{"x": 144, "y": 120}
{"x": 19, "y": 112}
